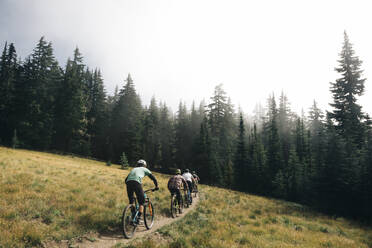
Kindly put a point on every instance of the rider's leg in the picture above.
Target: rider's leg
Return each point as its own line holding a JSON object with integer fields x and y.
{"x": 141, "y": 198}
{"x": 190, "y": 190}
{"x": 178, "y": 194}
{"x": 130, "y": 192}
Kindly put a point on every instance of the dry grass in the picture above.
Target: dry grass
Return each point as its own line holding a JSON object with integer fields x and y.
{"x": 45, "y": 196}
{"x": 231, "y": 219}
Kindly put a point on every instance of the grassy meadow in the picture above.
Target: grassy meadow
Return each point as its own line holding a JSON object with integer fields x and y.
{"x": 50, "y": 197}
{"x": 231, "y": 219}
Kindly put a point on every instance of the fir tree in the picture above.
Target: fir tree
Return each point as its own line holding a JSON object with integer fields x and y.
{"x": 124, "y": 161}
{"x": 241, "y": 160}
{"x": 183, "y": 138}
{"x": 9, "y": 70}
{"x": 258, "y": 160}
{"x": 71, "y": 121}
{"x": 151, "y": 139}
{"x": 126, "y": 123}
{"x": 202, "y": 151}
{"x": 97, "y": 115}
{"x": 274, "y": 160}
{"x": 166, "y": 136}
{"x": 347, "y": 112}
{"x": 40, "y": 78}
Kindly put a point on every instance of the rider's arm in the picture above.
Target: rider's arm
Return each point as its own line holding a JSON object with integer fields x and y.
{"x": 185, "y": 185}
{"x": 151, "y": 176}
{"x": 169, "y": 181}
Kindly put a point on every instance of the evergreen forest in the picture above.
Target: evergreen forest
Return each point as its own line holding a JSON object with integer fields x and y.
{"x": 321, "y": 158}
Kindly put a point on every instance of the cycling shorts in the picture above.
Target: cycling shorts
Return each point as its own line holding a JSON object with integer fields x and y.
{"x": 135, "y": 187}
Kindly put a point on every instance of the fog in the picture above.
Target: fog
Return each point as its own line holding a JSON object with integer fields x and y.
{"x": 180, "y": 50}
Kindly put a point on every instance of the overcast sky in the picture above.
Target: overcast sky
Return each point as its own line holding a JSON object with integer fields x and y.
{"x": 180, "y": 50}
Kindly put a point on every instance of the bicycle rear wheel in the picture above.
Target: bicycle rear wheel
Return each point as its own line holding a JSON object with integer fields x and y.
{"x": 174, "y": 206}
{"x": 127, "y": 225}
{"x": 185, "y": 200}
{"x": 149, "y": 215}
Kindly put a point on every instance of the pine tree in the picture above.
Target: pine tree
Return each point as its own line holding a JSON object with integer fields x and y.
{"x": 347, "y": 112}
{"x": 259, "y": 116}
{"x": 183, "y": 138}
{"x": 202, "y": 151}
{"x": 97, "y": 115}
{"x": 151, "y": 139}
{"x": 127, "y": 123}
{"x": 71, "y": 109}
{"x": 317, "y": 151}
{"x": 274, "y": 159}
{"x": 9, "y": 70}
{"x": 257, "y": 156}
{"x": 300, "y": 136}
{"x": 331, "y": 181}
{"x": 217, "y": 110}
{"x": 348, "y": 117}
{"x": 366, "y": 175}
{"x": 220, "y": 115}
{"x": 166, "y": 137}
{"x": 284, "y": 127}
{"x": 15, "y": 141}
{"x": 124, "y": 161}
{"x": 242, "y": 175}
{"x": 40, "y": 77}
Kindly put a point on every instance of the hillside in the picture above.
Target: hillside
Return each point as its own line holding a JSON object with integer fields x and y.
{"x": 46, "y": 197}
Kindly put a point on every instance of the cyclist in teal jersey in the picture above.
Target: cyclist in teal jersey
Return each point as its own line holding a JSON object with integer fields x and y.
{"x": 134, "y": 184}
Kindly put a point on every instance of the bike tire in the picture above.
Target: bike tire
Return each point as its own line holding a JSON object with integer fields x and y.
{"x": 149, "y": 215}
{"x": 186, "y": 200}
{"x": 174, "y": 206}
{"x": 127, "y": 225}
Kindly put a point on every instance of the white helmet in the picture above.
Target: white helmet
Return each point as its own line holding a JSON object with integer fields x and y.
{"x": 141, "y": 162}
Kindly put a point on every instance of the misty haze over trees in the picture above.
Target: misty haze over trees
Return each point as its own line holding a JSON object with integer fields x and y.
{"x": 321, "y": 158}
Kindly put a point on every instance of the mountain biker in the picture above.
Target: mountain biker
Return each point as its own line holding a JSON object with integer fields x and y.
{"x": 189, "y": 179}
{"x": 134, "y": 184}
{"x": 195, "y": 176}
{"x": 196, "y": 180}
{"x": 175, "y": 183}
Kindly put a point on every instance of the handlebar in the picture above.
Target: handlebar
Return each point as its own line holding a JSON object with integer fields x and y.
{"x": 151, "y": 190}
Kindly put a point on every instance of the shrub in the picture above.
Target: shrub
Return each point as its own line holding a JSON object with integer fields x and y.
{"x": 15, "y": 141}
{"x": 124, "y": 161}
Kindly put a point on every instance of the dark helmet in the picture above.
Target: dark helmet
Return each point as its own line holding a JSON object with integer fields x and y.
{"x": 141, "y": 163}
{"x": 178, "y": 171}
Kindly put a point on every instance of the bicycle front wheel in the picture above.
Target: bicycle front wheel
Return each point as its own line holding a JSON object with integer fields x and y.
{"x": 127, "y": 225}
{"x": 149, "y": 215}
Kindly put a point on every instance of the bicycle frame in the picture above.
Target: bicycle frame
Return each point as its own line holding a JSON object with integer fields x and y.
{"x": 132, "y": 217}
{"x": 147, "y": 199}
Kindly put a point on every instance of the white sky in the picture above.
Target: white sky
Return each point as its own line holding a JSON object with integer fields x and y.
{"x": 182, "y": 49}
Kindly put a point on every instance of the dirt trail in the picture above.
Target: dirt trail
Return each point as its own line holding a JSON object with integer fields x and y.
{"x": 109, "y": 240}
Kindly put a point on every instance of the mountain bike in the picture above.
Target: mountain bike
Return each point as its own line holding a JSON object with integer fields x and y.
{"x": 185, "y": 198}
{"x": 195, "y": 190}
{"x": 188, "y": 197}
{"x": 129, "y": 219}
{"x": 176, "y": 207}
